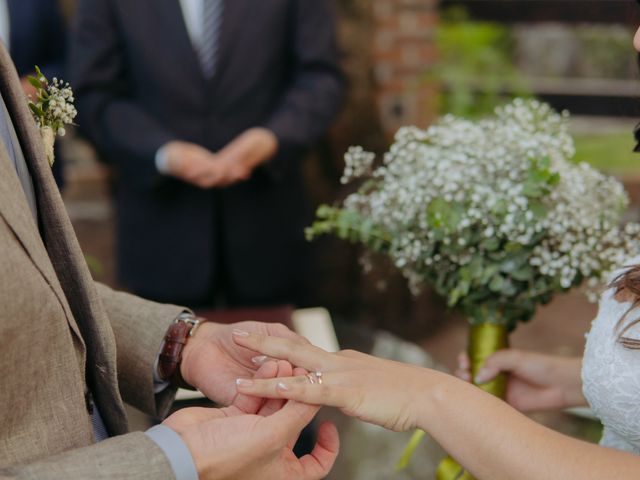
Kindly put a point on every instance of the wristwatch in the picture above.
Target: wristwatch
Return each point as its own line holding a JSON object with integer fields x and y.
{"x": 176, "y": 338}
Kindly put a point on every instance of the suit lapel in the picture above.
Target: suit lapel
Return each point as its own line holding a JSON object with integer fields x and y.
{"x": 233, "y": 20}
{"x": 174, "y": 27}
{"x": 15, "y": 210}
{"x": 78, "y": 292}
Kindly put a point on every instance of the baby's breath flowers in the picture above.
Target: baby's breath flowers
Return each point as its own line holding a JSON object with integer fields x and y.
{"x": 492, "y": 213}
{"x": 52, "y": 109}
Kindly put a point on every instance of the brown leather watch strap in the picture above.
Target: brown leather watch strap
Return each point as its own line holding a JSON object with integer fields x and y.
{"x": 171, "y": 355}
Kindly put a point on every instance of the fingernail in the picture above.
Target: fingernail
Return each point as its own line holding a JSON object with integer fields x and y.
{"x": 240, "y": 333}
{"x": 244, "y": 382}
{"x": 482, "y": 376}
{"x": 283, "y": 386}
{"x": 259, "y": 360}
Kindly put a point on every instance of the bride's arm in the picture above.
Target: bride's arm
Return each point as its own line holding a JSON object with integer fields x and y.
{"x": 494, "y": 441}
{"x": 490, "y": 438}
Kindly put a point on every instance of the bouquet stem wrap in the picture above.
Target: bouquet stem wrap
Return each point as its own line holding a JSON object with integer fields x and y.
{"x": 484, "y": 340}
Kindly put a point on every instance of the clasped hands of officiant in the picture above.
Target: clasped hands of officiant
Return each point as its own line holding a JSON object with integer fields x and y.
{"x": 234, "y": 163}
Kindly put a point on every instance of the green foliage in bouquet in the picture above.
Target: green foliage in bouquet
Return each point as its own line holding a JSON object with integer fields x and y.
{"x": 492, "y": 214}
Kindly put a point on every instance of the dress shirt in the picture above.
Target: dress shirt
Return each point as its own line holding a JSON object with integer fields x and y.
{"x": 5, "y": 23}
{"x": 192, "y": 14}
{"x": 9, "y": 138}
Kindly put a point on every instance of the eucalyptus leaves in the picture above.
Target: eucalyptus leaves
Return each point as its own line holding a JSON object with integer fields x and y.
{"x": 493, "y": 214}
{"x": 52, "y": 109}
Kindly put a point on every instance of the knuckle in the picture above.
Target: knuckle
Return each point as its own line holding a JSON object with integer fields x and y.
{"x": 348, "y": 353}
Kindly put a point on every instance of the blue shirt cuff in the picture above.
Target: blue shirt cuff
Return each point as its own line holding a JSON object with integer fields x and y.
{"x": 162, "y": 160}
{"x": 176, "y": 451}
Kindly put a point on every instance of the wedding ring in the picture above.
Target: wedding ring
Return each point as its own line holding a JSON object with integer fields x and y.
{"x": 319, "y": 377}
{"x": 312, "y": 377}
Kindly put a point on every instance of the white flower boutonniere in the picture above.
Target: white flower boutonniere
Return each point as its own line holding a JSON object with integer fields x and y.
{"x": 52, "y": 109}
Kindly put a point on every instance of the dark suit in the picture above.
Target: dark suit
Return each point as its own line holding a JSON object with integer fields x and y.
{"x": 139, "y": 85}
{"x": 37, "y": 36}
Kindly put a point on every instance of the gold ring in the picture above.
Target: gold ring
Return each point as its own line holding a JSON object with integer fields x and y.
{"x": 319, "y": 377}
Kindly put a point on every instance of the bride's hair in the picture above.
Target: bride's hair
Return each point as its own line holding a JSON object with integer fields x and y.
{"x": 628, "y": 282}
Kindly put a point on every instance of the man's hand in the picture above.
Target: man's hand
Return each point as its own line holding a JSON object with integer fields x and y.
{"x": 226, "y": 444}
{"x": 234, "y": 163}
{"x": 237, "y": 161}
{"x": 253, "y": 438}
{"x": 191, "y": 163}
{"x": 212, "y": 360}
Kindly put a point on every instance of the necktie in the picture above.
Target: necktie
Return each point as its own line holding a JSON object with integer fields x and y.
{"x": 212, "y": 11}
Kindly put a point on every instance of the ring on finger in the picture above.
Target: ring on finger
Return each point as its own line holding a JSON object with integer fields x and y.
{"x": 312, "y": 377}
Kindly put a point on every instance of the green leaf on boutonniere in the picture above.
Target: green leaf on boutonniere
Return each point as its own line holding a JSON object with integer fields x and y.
{"x": 36, "y": 110}
{"x": 35, "y": 82}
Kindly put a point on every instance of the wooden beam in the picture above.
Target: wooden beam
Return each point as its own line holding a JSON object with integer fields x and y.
{"x": 566, "y": 11}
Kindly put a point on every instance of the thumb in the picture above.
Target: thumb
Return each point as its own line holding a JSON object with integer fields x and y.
{"x": 506, "y": 360}
{"x": 289, "y": 421}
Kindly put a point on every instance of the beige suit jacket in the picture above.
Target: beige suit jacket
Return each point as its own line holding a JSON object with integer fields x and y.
{"x": 61, "y": 333}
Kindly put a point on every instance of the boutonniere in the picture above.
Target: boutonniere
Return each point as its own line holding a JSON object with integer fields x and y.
{"x": 52, "y": 109}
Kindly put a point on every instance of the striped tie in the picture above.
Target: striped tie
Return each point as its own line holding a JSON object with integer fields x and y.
{"x": 211, "y": 21}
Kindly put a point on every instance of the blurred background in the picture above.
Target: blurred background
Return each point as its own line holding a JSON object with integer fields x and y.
{"x": 407, "y": 62}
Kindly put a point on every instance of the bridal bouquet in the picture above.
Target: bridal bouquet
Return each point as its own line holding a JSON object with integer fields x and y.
{"x": 52, "y": 109}
{"x": 492, "y": 214}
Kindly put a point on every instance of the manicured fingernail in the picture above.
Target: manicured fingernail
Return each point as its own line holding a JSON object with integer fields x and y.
{"x": 283, "y": 386}
{"x": 240, "y": 333}
{"x": 482, "y": 376}
{"x": 244, "y": 382}
{"x": 259, "y": 360}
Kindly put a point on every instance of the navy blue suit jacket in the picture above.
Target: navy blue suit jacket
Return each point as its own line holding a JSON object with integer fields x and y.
{"x": 37, "y": 36}
{"x": 139, "y": 85}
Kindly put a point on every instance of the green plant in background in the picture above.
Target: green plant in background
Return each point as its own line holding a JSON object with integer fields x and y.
{"x": 475, "y": 65}
{"x": 611, "y": 152}
{"x": 605, "y": 52}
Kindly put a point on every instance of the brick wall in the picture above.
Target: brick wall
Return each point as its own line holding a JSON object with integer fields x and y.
{"x": 387, "y": 46}
{"x": 403, "y": 48}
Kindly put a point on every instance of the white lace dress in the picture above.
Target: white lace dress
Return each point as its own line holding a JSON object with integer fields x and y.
{"x": 611, "y": 375}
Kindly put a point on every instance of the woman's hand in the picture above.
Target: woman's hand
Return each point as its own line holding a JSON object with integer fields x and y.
{"x": 536, "y": 381}
{"x": 374, "y": 390}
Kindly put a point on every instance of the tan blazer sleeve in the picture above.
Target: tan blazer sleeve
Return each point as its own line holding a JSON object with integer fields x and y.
{"x": 139, "y": 327}
{"x": 127, "y": 456}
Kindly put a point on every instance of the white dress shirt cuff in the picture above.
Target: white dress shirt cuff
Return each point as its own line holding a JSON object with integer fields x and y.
{"x": 176, "y": 451}
{"x": 162, "y": 160}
